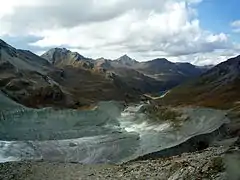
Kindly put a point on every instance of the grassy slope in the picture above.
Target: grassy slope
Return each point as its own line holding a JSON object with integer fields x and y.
{"x": 209, "y": 95}
{"x": 217, "y": 88}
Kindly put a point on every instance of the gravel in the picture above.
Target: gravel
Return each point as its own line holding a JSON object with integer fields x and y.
{"x": 207, "y": 164}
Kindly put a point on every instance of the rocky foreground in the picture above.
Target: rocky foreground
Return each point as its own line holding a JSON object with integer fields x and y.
{"x": 218, "y": 162}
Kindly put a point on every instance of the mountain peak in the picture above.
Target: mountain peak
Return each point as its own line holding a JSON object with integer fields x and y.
{"x": 125, "y": 57}
{"x": 57, "y": 55}
{"x": 126, "y": 60}
{"x": 58, "y": 50}
{"x": 160, "y": 61}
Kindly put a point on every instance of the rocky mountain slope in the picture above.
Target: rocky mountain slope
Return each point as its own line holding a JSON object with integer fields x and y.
{"x": 64, "y": 78}
{"x": 118, "y": 70}
{"x": 61, "y": 57}
{"x": 169, "y": 73}
{"x": 23, "y": 77}
{"x": 36, "y": 82}
{"x": 166, "y": 71}
{"x": 219, "y": 87}
{"x": 152, "y": 76}
{"x": 21, "y": 59}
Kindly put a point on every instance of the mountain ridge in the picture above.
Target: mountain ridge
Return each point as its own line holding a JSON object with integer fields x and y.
{"x": 61, "y": 77}
{"x": 157, "y": 71}
{"x": 35, "y": 82}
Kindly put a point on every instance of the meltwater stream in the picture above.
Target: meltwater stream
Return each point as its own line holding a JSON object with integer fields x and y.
{"x": 108, "y": 134}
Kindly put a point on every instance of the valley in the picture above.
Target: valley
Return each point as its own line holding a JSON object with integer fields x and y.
{"x": 63, "y": 110}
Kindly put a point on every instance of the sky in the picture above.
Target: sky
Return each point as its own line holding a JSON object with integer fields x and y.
{"x": 201, "y": 32}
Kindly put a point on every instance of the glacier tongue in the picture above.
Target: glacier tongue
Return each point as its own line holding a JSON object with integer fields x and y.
{"x": 107, "y": 134}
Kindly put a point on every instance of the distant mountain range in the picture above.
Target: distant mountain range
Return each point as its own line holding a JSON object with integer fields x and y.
{"x": 63, "y": 78}
{"x": 158, "y": 71}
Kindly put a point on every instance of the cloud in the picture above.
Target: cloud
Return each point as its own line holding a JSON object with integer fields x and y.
{"x": 236, "y": 26}
{"x": 110, "y": 28}
{"x": 194, "y": 1}
{"x": 213, "y": 58}
{"x": 41, "y": 14}
{"x": 22, "y": 42}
